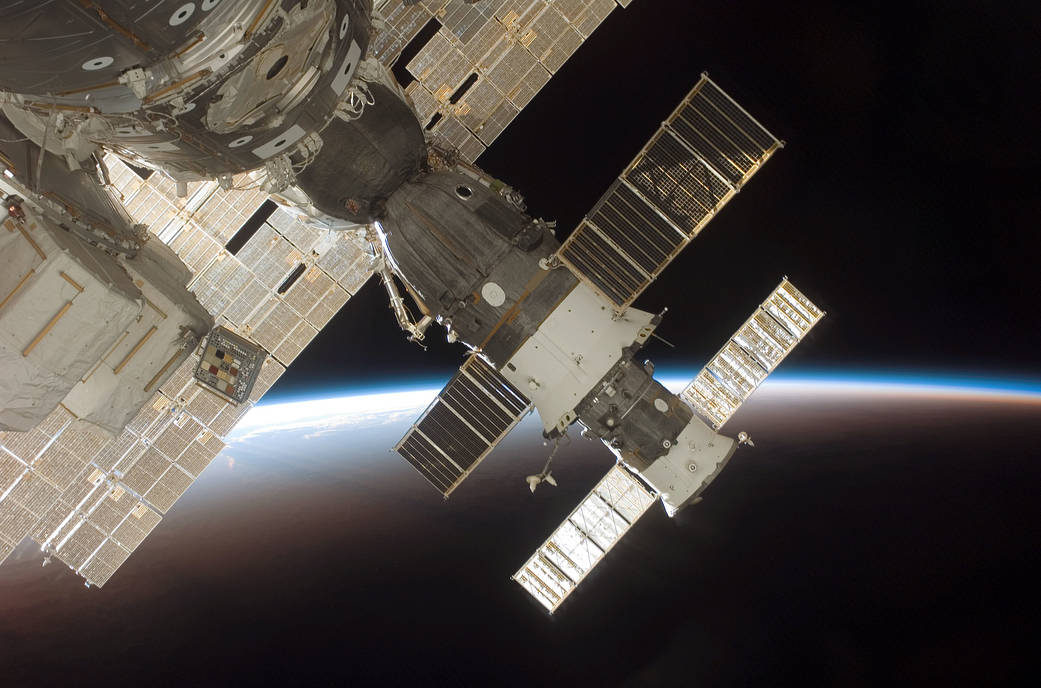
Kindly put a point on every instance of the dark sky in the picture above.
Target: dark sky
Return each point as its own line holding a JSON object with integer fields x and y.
{"x": 904, "y": 203}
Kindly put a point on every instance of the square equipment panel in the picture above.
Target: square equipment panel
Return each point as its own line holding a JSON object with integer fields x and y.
{"x": 230, "y": 364}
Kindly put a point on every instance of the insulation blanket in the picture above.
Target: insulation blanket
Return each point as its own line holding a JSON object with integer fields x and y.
{"x": 55, "y": 328}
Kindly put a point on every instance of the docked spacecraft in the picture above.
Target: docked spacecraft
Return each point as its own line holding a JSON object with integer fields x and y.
{"x": 152, "y": 291}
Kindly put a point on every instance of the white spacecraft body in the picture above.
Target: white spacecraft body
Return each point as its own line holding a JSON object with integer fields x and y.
{"x": 113, "y": 397}
{"x": 569, "y": 356}
{"x": 689, "y": 462}
{"x": 552, "y": 325}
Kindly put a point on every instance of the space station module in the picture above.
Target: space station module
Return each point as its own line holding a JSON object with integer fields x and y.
{"x": 130, "y": 343}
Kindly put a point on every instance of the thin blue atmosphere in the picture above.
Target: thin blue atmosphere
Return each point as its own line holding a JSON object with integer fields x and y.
{"x": 675, "y": 379}
{"x": 938, "y": 380}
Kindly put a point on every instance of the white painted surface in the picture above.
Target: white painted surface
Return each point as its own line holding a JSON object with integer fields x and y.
{"x": 345, "y": 72}
{"x": 182, "y": 14}
{"x": 575, "y": 346}
{"x": 110, "y": 398}
{"x": 62, "y": 312}
{"x": 280, "y": 143}
{"x": 98, "y": 63}
{"x": 698, "y": 446}
{"x": 493, "y": 294}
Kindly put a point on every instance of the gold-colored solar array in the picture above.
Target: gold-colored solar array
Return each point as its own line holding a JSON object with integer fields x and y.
{"x": 752, "y": 353}
{"x": 694, "y": 164}
{"x": 91, "y": 500}
{"x": 505, "y": 50}
{"x": 586, "y": 535}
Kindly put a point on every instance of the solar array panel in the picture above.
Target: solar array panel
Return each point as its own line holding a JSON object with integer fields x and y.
{"x": 754, "y": 351}
{"x": 486, "y": 61}
{"x": 475, "y": 410}
{"x": 91, "y": 500}
{"x": 699, "y": 158}
{"x": 586, "y": 535}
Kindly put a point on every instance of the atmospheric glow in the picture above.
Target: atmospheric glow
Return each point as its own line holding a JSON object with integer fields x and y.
{"x": 862, "y": 384}
{"x": 324, "y": 416}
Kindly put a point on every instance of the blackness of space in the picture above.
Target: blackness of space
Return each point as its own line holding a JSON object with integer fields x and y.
{"x": 904, "y": 203}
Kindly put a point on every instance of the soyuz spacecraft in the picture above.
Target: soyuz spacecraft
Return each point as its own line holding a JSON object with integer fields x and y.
{"x": 193, "y": 189}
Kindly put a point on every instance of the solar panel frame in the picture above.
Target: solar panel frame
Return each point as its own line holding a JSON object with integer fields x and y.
{"x": 169, "y": 487}
{"x": 50, "y": 522}
{"x": 752, "y": 353}
{"x": 35, "y": 493}
{"x": 585, "y": 537}
{"x": 15, "y": 521}
{"x": 10, "y": 471}
{"x": 603, "y": 264}
{"x": 105, "y": 561}
{"x": 699, "y": 158}
{"x": 517, "y": 45}
{"x": 146, "y": 471}
{"x": 141, "y": 521}
{"x": 109, "y": 512}
{"x": 468, "y": 418}
{"x": 79, "y": 545}
{"x": 25, "y": 446}
{"x": 183, "y": 423}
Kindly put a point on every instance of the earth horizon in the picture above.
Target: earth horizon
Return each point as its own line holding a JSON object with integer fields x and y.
{"x": 877, "y": 532}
